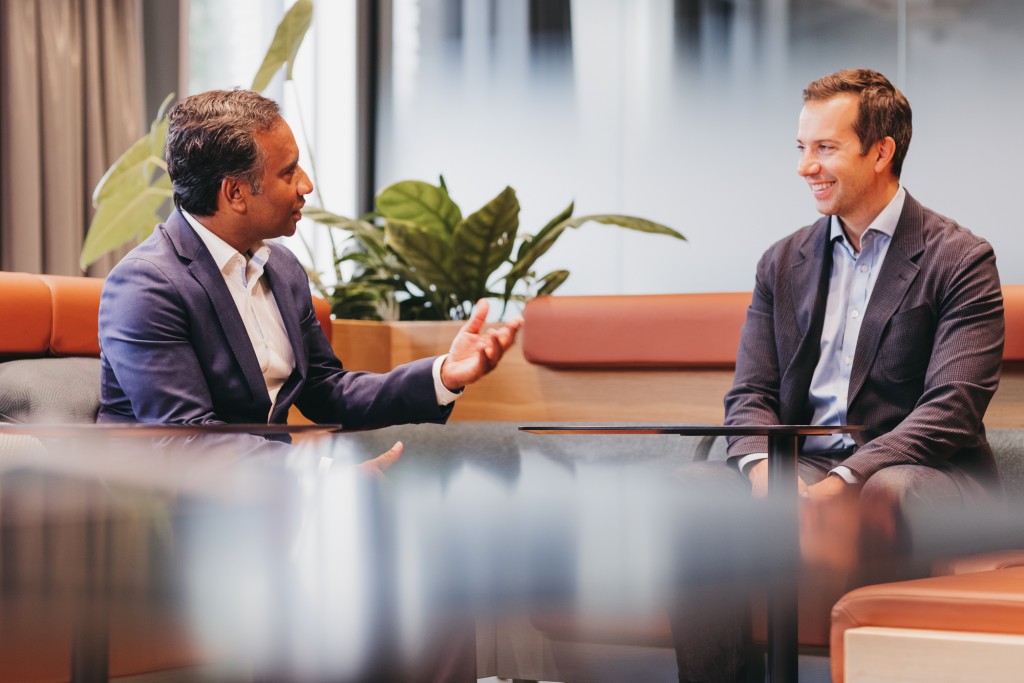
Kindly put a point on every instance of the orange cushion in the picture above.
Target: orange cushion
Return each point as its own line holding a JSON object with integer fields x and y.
{"x": 1013, "y": 305}
{"x": 986, "y": 602}
{"x": 663, "y": 330}
{"x": 670, "y": 330}
{"x": 323, "y": 314}
{"x": 76, "y": 308}
{"x": 25, "y": 311}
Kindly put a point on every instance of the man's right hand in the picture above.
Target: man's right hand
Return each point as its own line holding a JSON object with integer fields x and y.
{"x": 758, "y": 475}
{"x": 376, "y": 467}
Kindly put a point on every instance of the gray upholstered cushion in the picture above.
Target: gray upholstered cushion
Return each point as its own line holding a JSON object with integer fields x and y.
{"x": 1008, "y": 446}
{"x": 50, "y": 390}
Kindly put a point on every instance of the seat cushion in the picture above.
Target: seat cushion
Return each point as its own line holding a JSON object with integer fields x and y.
{"x": 984, "y": 602}
{"x": 658, "y": 330}
{"x": 50, "y": 390}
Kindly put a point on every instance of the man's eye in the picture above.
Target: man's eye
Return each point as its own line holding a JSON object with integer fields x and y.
{"x": 826, "y": 148}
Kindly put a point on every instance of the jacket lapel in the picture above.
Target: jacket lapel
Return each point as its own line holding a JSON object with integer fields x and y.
{"x": 899, "y": 270}
{"x": 202, "y": 267}
{"x": 809, "y": 276}
{"x": 809, "y": 268}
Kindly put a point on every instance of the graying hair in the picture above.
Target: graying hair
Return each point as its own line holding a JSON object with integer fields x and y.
{"x": 212, "y": 136}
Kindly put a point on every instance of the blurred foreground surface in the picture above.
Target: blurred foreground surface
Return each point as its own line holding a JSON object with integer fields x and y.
{"x": 122, "y": 554}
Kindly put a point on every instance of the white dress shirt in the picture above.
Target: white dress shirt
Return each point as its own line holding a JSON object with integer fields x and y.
{"x": 243, "y": 275}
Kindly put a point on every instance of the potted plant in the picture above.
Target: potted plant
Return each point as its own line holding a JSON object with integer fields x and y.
{"x": 418, "y": 258}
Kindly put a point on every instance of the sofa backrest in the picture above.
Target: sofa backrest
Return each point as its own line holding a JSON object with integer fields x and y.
{"x": 667, "y": 330}
{"x": 57, "y": 315}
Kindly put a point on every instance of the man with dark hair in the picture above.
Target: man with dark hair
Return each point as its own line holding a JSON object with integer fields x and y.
{"x": 208, "y": 322}
{"x": 883, "y": 314}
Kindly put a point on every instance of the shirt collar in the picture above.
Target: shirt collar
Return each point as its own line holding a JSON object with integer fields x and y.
{"x": 885, "y": 222}
{"x": 221, "y": 251}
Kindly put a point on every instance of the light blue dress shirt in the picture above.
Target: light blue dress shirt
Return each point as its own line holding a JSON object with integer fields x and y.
{"x": 849, "y": 293}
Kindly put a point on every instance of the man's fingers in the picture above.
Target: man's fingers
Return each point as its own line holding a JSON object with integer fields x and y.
{"x": 477, "y": 317}
{"x": 505, "y": 336}
{"x": 386, "y": 460}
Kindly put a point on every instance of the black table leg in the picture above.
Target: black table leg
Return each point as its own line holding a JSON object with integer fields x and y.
{"x": 782, "y": 589}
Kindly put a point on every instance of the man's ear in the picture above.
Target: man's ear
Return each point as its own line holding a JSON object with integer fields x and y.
{"x": 231, "y": 195}
{"x": 884, "y": 150}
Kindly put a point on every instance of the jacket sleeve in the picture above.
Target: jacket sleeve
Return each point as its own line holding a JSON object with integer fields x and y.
{"x": 754, "y": 396}
{"x": 961, "y": 377}
{"x": 362, "y": 400}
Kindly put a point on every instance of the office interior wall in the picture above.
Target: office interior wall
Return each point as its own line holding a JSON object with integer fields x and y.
{"x": 685, "y": 111}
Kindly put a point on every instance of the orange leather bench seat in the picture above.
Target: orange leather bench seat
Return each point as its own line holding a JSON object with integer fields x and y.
{"x": 667, "y": 330}
{"x": 658, "y": 330}
{"x": 26, "y": 311}
{"x": 983, "y": 602}
{"x": 75, "y": 302}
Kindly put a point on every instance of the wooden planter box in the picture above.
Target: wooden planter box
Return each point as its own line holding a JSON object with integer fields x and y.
{"x": 518, "y": 391}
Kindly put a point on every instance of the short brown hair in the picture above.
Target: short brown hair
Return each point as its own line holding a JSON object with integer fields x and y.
{"x": 883, "y": 110}
{"x": 212, "y": 136}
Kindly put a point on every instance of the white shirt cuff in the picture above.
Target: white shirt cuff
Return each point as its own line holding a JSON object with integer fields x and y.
{"x": 748, "y": 460}
{"x": 444, "y": 397}
{"x": 846, "y": 473}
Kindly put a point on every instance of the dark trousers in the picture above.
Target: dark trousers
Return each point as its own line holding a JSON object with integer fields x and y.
{"x": 725, "y": 554}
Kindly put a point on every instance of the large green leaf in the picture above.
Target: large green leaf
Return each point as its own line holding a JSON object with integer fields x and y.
{"x": 129, "y": 214}
{"x": 363, "y": 301}
{"x": 552, "y": 281}
{"x": 144, "y": 156}
{"x": 565, "y": 214}
{"x": 427, "y": 253}
{"x": 629, "y": 222}
{"x": 285, "y": 45}
{"x": 364, "y": 230}
{"x": 523, "y": 263}
{"x": 420, "y": 203}
{"x": 483, "y": 241}
{"x": 544, "y": 240}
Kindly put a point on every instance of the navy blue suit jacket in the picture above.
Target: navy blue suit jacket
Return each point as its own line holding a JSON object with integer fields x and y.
{"x": 174, "y": 348}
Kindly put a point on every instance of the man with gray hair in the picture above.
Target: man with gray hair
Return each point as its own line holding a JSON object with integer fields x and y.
{"x": 209, "y": 321}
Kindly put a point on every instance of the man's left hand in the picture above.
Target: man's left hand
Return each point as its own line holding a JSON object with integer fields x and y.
{"x": 474, "y": 353}
{"x": 829, "y": 524}
{"x": 829, "y": 488}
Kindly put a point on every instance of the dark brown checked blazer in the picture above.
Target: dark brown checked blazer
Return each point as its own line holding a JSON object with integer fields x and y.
{"x": 928, "y": 356}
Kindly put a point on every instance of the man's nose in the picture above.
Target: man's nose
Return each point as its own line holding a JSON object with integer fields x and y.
{"x": 807, "y": 166}
{"x": 305, "y": 184}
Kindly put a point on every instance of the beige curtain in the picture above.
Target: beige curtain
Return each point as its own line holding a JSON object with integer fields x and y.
{"x": 71, "y": 102}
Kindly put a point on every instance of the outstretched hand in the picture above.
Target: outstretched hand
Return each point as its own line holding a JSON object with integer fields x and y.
{"x": 473, "y": 352}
